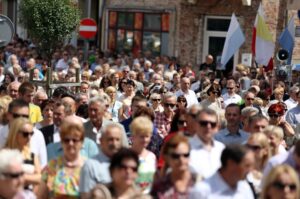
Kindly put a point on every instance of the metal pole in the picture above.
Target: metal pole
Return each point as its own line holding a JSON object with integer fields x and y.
{"x": 86, "y": 42}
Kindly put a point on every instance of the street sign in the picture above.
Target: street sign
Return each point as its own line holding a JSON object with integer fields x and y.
{"x": 7, "y": 30}
{"x": 87, "y": 28}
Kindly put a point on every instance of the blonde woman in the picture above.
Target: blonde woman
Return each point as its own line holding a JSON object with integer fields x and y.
{"x": 4, "y": 102}
{"x": 114, "y": 105}
{"x": 259, "y": 144}
{"x": 275, "y": 135}
{"x": 281, "y": 182}
{"x": 20, "y": 133}
{"x": 141, "y": 130}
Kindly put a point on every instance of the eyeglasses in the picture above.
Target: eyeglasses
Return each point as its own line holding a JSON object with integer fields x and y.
{"x": 230, "y": 88}
{"x": 274, "y": 115}
{"x": 27, "y": 134}
{"x": 250, "y": 99}
{"x": 156, "y": 100}
{"x": 16, "y": 115}
{"x": 183, "y": 101}
{"x": 253, "y": 147}
{"x": 204, "y": 123}
{"x": 68, "y": 140}
{"x": 181, "y": 122}
{"x": 177, "y": 156}
{"x": 170, "y": 105}
{"x": 125, "y": 167}
{"x": 281, "y": 186}
{"x": 13, "y": 175}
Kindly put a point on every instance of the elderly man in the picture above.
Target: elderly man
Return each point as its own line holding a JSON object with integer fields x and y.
{"x": 185, "y": 84}
{"x": 12, "y": 175}
{"x": 39, "y": 97}
{"x": 13, "y": 89}
{"x": 96, "y": 169}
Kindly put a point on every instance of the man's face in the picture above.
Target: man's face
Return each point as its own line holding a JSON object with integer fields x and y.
{"x": 185, "y": 84}
{"x": 136, "y": 105}
{"x": 111, "y": 141}
{"x": 249, "y": 99}
{"x": 58, "y": 115}
{"x": 18, "y": 112}
{"x": 96, "y": 112}
{"x": 169, "y": 105}
{"x": 207, "y": 126}
{"x": 243, "y": 168}
{"x": 39, "y": 99}
{"x": 84, "y": 88}
{"x": 258, "y": 125}
{"x": 230, "y": 88}
{"x": 232, "y": 115}
{"x": 14, "y": 91}
{"x": 28, "y": 97}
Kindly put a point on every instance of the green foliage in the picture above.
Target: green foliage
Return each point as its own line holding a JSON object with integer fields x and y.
{"x": 49, "y": 22}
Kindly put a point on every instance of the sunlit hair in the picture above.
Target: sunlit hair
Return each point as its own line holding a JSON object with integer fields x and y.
{"x": 12, "y": 143}
{"x": 141, "y": 126}
{"x": 273, "y": 177}
{"x": 8, "y": 158}
{"x": 73, "y": 128}
{"x": 274, "y": 130}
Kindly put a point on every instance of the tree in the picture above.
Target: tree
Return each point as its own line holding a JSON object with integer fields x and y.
{"x": 49, "y": 22}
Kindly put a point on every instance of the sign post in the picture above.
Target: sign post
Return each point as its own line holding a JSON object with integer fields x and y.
{"x": 87, "y": 30}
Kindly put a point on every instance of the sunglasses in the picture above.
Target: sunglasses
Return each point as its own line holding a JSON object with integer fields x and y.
{"x": 27, "y": 134}
{"x": 281, "y": 186}
{"x": 230, "y": 88}
{"x": 156, "y": 100}
{"x": 13, "y": 175}
{"x": 170, "y": 105}
{"x": 184, "y": 101}
{"x": 250, "y": 99}
{"x": 177, "y": 156}
{"x": 181, "y": 122}
{"x": 253, "y": 147}
{"x": 125, "y": 167}
{"x": 274, "y": 115}
{"x": 68, "y": 140}
{"x": 203, "y": 123}
{"x": 16, "y": 115}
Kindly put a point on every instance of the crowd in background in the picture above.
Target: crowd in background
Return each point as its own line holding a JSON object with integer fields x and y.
{"x": 144, "y": 126}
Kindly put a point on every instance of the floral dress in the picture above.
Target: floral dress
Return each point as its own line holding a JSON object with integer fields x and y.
{"x": 61, "y": 183}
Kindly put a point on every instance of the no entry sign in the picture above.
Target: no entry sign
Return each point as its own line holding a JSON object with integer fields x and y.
{"x": 87, "y": 28}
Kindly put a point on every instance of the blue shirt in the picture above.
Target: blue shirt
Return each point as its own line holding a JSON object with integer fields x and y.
{"x": 89, "y": 149}
{"x": 293, "y": 116}
{"x": 228, "y": 138}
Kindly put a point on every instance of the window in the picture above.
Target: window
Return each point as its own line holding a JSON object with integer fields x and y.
{"x": 136, "y": 31}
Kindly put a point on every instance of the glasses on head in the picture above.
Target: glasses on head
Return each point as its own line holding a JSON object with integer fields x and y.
{"x": 204, "y": 123}
{"x": 170, "y": 105}
{"x": 156, "y": 100}
{"x": 26, "y": 134}
{"x": 17, "y": 115}
{"x": 274, "y": 115}
{"x": 281, "y": 186}
{"x": 13, "y": 175}
{"x": 250, "y": 99}
{"x": 177, "y": 156}
{"x": 181, "y": 122}
{"x": 68, "y": 140}
{"x": 125, "y": 167}
{"x": 253, "y": 147}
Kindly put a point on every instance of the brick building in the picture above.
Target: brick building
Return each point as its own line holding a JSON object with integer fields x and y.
{"x": 187, "y": 29}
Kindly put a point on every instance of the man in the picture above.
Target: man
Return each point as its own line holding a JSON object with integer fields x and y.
{"x": 205, "y": 151}
{"x": 249, "y": 101}
{"x": 84, "y": 87}
{"x": 208, "y": 64}
{"x": 292, "y": 101}
{"x": 229, "y": 181}
{"x": 13, "y": 89}
{"x": 62, "y": 64}
{"x": 293, "y": 115}
{"x": 93, "y": 126}
{"x": 231, "y": 97}
{"x": 148, "y": 69}
{"x": 19, "y": 108}
{"x": 189, "y": 95}
{"x": 26, "y": 92}
{"x": 51, "y": 132}
{"x": 232, "y": 134}
{"x": 96, "y": 169}
{"x": 12, "y": 175}
{"x": 39, "y": 97}
{"x": 257, "y": 123}
{"x": 72, "y": 104}
{"x": 164, "y": 119}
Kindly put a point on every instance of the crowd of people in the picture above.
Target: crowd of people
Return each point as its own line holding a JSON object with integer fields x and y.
{"x": 144, "y": 126}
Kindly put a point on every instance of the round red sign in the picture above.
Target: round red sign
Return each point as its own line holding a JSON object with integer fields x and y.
{"x": 87, "y": 28}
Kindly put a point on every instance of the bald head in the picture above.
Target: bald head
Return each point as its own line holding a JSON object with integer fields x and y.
{"x": 71, "y": 102}
{"x": 13, "y": 89}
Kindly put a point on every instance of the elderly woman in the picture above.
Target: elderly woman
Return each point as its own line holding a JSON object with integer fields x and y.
{"x": 281, "y": 182}
{"x": 60, "y": 178}
{"x": 20, "y": 133}
{"x": 155, "y": 100}
{"x": 275, "y": 135}
{"x": 178, "y": 182}
{"x": 114, "y": 105}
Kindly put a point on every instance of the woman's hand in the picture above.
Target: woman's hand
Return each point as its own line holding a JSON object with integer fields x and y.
{"x": 287, "y": 128}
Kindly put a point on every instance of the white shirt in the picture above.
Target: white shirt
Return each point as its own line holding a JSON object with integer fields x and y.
{"x": 216, "y": 188}
{"x": 204, "y": 162}
{"x": 190, "y": 97}
{"x": 290, "y": 103}
{"x": 37, "y": 143}
{"x": 228, "y": 99}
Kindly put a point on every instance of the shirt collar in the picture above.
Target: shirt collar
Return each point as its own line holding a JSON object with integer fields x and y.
{"x": 227, "y": 133}
{"x": 198, "y": 143}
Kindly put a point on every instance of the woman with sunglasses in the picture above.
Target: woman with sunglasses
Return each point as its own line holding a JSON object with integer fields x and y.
{"x": 20, "y": 133}
{"x": 181, "y": 102}
{"x": 259, "y": 144}
{"x": 276, "y": 113}
{"x": 213, "y": 101}
{"x": 178, "y": 182}
{"x": 281, "y": 182}
{"x": 155, "y": 99}
{"x": 60, "y": 178}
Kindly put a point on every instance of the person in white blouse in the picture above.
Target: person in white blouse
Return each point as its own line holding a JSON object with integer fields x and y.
{"x": 231, "y": 96}
{"x": 185, "y": 90}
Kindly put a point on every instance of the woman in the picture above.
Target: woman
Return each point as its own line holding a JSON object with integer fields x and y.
{"x": 212, "y": 101}
{"x": 125, "y": 98}
{"x": 47, "y": 112}
{"x": 275, "y": 136}
{"x": 141, "y": 130}
{"x": 4, "y": 102}
{"x": 276, "y": 113}
{"x": 124, "y": 171}
{"x": 105, "y": 82}
{"x": 60, "y": 178}
{"x": 259, "y": 144}
{"x": 281, "y": 182}
{"x": 155, "y": 100}
{"x": 114, "y": 105}
{"x": 181, "y": 102}
{"x": 178, "y": 182}
{"x": 20, "y": 133}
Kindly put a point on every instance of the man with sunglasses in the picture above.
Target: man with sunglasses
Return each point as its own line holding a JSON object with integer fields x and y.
{"x": 190, "y": 96}
{"x": 205, "y": 151}
{"x": 20, "y": 108}
{"x": 12, "y": 175}
{"x": 231, "y": 96}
